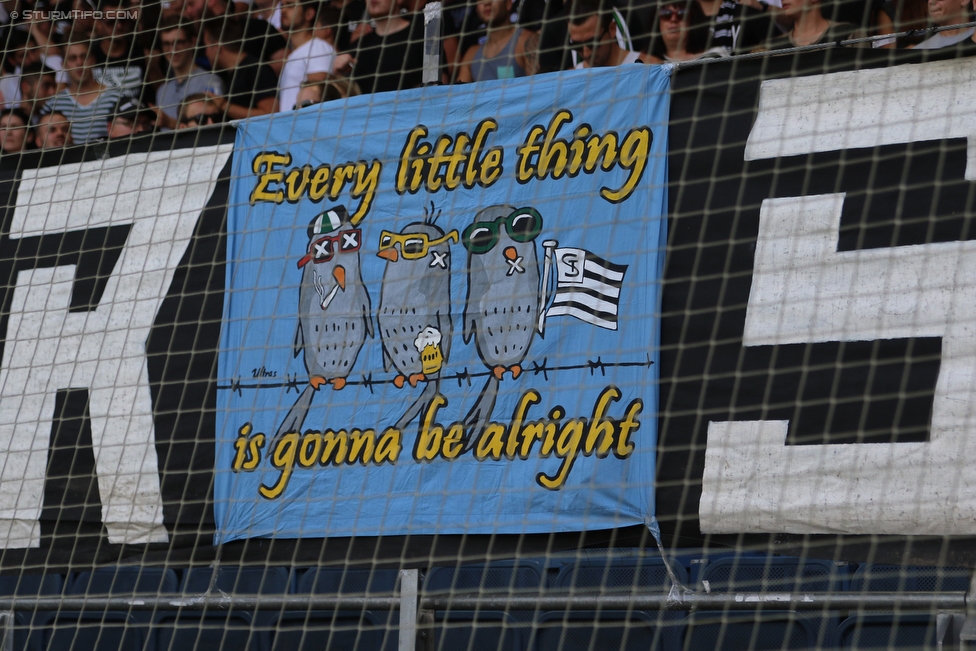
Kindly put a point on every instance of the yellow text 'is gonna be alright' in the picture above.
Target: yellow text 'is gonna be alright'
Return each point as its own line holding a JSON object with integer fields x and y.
{"x": 553, "y": 436}
{"x": 463, "y": 160}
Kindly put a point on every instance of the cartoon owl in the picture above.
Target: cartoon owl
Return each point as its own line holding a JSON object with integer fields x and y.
{"x": 502, "y": 306}
{"x": 333, "y": 304}
{"x": 414, "y": 315}
{"x": 333, "y": 309}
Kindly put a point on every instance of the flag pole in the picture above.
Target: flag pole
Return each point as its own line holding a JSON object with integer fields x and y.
{"x": 550, "y": 246}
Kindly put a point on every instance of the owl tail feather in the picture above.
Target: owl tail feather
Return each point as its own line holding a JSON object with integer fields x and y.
{"x": 477, "y": 419}
{"x": 296, "y": 415}
{"x": 419, "y": 406}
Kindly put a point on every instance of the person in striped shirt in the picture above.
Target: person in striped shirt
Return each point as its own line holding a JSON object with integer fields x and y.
{"x": 85, "y": 102}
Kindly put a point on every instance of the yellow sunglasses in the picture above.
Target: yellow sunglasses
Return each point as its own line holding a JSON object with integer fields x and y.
{"x": 413, "y": 246}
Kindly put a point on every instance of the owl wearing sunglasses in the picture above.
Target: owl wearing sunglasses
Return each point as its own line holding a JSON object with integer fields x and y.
{"x": 502, "y": 305}
{"x": 334, "y": 307}
{"x": 414, "y": 315}
{"x": 415, "y": 296}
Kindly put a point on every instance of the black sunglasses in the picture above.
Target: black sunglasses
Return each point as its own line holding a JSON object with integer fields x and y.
{"x": 667, "y": 14}
{"x": 203, "y": 118}
{"x": 593, "y": 43}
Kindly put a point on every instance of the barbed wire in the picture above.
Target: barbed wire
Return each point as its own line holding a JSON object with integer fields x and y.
{"x": 295, "y": 382}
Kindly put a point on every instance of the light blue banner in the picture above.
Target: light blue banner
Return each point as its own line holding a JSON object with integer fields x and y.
{"x": 442, "y": 311}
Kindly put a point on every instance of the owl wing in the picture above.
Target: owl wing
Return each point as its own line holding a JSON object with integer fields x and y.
{"x": 299, "y": 344}
{"x": 446, "y": 327}
{"x": 367, "y": 317}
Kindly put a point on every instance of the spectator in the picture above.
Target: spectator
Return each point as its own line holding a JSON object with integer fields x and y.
{"x": 14, "y": 58}
{"x": 309, "y": 58}
{"x": 310, "y": 94}
{"x": 593, "y": 31}
{"x": 130, "y": 117}
{"x": 945, "y": 13}
{"x": 37, "y": 85}
{"x": 14, "y": 131}
{"x": 261, "y": 39}
{"x": 199, "y": 111}
{"x": 502, "y": 55}
{"x": 268, "y": 11}
{"x": 682, "y": 34}
{"x": 327, "y": 27}
{"x": 53, "y": 131}
{"x": 251, "y": 85}
{"x": 120, "y": 60}
{"x": 391, "y": 55}
{"x": 810, "y": 27}
{"x": 550, "y": 19}
{"x": 185, "y": 78}
{"x": 901, "y": 16}
{"x": 315, "y": 92}
{"x": 352, "y": 15}
{"x": 736, "y": 25}
{"x": 86, "y": 103}
{"x": 187, "y": 11}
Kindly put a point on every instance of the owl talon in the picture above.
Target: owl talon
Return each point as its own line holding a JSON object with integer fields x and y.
{"x": 398, "y": 381}
{"x": 498, "y": 372}
{"x": 317, "y": 381}
{"x": 338, "y": 383}
{"x": 516, "y": 371}
{"x": 415, "y": 378}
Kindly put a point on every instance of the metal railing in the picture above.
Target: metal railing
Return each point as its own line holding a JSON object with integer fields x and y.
{"x": 955, "y": 627}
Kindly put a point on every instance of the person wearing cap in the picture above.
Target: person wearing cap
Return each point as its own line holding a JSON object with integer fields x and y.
{"x": 178, "y": 42}
{"x": 53, "y": 131}
{"x": 130, "y": 117}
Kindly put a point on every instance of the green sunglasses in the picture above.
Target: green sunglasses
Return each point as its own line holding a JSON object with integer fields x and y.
{"x": 523, "y": 225}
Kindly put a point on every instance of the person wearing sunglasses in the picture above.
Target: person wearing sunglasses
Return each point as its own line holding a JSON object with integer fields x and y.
{"x": 682, "y": 33}
{"x": 199, "y": 110}
{"x": 593, "y": 34}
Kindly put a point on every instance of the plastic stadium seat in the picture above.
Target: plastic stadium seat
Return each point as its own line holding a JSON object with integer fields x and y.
{"x": 29, "y": 585}
{"x": 610, "y": 629}
{"x": 619, "y": 574}
{"x": 109, "y": 630}
{"x": 909, "y": 578}
{"x": 752, "y": 631}
{"x": 774, "y": 574}
{"x": 485, "y": 630}
{"x": 494, "y": 576}
{"x": 780, "y": 574}
{"x": 341, "y": 630}
{"x": 234, "y": 630}
{"x": 902, "y": 632}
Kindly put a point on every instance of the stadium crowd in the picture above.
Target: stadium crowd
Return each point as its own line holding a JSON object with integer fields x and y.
{"x": 75, "y": 72}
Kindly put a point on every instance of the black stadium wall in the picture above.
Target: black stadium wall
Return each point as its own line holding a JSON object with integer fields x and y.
{"x": 857, "y": 392}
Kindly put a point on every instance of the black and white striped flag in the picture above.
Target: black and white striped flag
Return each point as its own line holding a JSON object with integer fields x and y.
{"x": 587, "y": 287}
